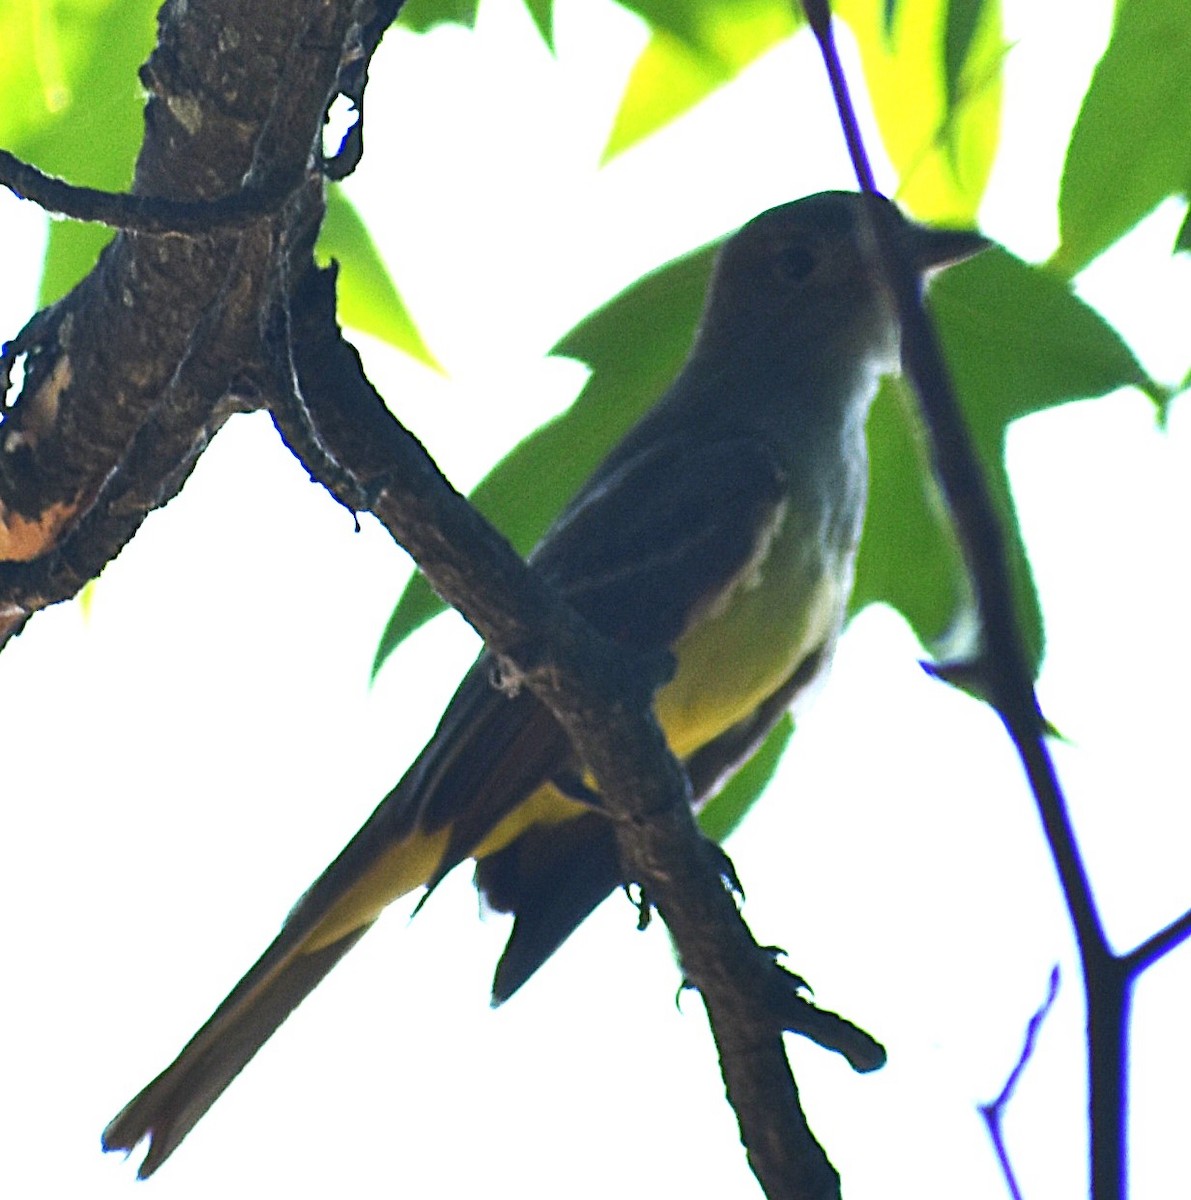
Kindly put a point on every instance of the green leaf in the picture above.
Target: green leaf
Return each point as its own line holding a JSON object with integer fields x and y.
{"x": 1182, "y": 243}
{"x": 542, "y": 12}
{"x": 418, "y": 16}
{"x": 634, "y": 345}
{"x": 71, "y": 251}
{"x": 1016, "y": 341}
{"x": 70, "y": 102}
{"x": 694, "y": 49}
{"x": 723, "y": 812}
{"x": 934, "y": 75}
{"x": 963, "y": 21}
{"x": 368, "y": 299}
{"x": 684, "y": 20}
{"x": 909, "y": 557}
{"x": 1130, "y": 148}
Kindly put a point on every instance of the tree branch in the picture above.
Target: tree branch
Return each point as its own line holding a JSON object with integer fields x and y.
{"x": 124, "y": 383}
{"x": 994, "y": 1112}
{"x": 1005, "y": 677}
{"x": 1159, "y": 944}
{"x": 138, "y": 214}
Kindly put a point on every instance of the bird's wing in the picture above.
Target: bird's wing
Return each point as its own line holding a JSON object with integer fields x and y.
{"x": 641, "y": 553}
{"x": 650, "y": 545}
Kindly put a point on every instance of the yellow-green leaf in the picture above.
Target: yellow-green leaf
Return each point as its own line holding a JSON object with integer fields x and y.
{"x": 71, "y": 104}
{"x": 933, "y": 71}
{"x": 368, "y": 299}
{"x": 695, "y": 48}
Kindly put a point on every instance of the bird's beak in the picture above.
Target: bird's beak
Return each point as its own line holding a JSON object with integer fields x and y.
{"x": 932, "y": 249}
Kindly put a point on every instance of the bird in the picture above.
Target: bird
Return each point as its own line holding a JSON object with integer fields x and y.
{"x": 723, "y": 530}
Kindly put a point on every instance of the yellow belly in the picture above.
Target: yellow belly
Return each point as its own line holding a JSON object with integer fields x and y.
{"x": 737, "y": 656}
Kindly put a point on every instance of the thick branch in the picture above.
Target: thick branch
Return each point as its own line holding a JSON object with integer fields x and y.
{"x": 124, "y": 381}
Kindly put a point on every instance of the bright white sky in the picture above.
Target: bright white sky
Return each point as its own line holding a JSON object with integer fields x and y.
{"x": 184, "y": 759}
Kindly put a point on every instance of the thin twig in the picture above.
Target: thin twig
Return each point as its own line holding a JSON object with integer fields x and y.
{"x": 994, "y": 1112}
{"x": 818, "y": 14}
{"x": 1002, "y": 665}
{"x": 1162, "y": 942}
{"x": 140, "y": 214}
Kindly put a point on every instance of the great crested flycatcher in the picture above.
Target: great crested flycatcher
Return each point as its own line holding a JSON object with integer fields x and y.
{"x": 723, "y": 527}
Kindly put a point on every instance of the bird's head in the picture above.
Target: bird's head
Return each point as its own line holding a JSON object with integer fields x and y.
{"x": 806, "y": 278}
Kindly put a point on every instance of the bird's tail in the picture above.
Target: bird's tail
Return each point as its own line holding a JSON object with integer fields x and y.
{"x": 386, "y": 859}
{"x": 169, "y": 1107}
{"x": 550, "y": 879}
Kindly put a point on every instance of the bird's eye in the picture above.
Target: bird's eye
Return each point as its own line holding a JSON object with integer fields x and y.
{"x": 795, "y": 263}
